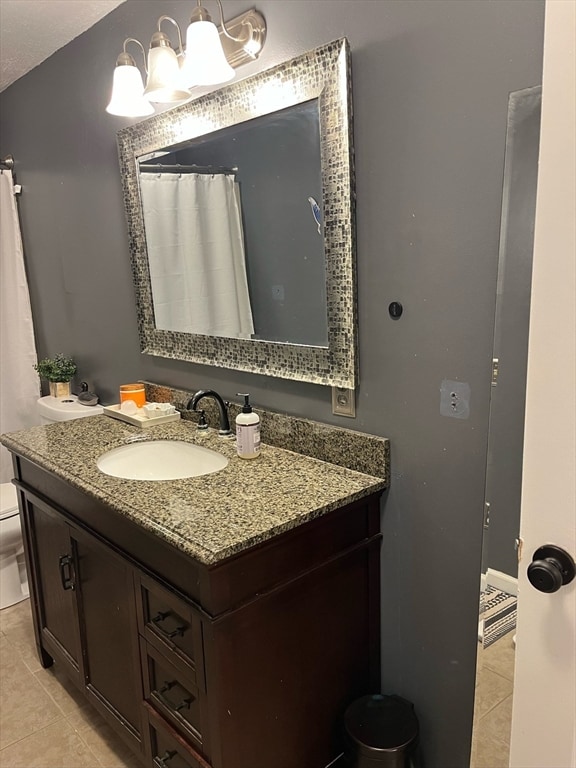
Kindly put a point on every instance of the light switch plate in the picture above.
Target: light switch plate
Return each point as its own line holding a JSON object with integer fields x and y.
{"x": 343, "y": 402}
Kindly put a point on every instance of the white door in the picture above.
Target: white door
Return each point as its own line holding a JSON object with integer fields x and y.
{"x": 544, "y": 711}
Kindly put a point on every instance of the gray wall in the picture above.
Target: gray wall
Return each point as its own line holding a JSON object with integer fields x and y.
{"x": 431, "y": 83}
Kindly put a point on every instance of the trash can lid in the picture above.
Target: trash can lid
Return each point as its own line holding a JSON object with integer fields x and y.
{"x": 386, "y": 723}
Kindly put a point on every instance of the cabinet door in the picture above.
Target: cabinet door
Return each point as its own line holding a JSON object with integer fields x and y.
{"x": 54, "y": 585}
{"x": 109, "y": 635}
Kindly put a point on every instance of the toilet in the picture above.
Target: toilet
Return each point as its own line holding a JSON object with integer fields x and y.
{"x": 13, "y": 578}
{"x": 13, "y": 581}
{"x": 52, "y": 409}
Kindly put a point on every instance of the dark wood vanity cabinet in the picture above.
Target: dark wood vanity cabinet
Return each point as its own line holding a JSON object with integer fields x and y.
{"x": 85, "y": 614}
{"x": 246, "y": 663}
{"x": 51, "y": 551}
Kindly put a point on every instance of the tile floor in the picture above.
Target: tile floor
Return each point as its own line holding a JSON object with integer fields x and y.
{"x": 44, "y": 721}
{"x": 493, "y": 704}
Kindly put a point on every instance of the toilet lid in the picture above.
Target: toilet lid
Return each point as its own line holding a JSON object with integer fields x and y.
{"x": 8, "y": 500}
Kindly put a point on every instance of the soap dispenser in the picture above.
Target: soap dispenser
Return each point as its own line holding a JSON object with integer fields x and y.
{"x": 247, "y": 431}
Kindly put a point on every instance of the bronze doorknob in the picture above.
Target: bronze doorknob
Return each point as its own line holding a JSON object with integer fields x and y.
{"x": 551, "y": 568}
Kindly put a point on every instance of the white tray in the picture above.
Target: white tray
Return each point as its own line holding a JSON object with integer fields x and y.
{"x": 137, "y": 419}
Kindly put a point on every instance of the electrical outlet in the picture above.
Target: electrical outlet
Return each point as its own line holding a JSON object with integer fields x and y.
{"x": 343, "y": 402}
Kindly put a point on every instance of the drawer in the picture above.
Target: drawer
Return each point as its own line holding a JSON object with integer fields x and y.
{"x": 168, "y": 750}
{"x": 172, "y": 626}
{"x": 172, "y": 693}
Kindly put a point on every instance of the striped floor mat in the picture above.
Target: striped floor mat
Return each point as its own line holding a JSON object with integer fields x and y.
{"x": 498, "y": 614}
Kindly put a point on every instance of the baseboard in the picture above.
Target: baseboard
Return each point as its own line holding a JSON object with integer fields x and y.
{"x": 502, "y": 581}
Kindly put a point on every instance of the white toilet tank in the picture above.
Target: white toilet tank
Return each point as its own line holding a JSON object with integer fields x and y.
{"x": 52, "y": 409}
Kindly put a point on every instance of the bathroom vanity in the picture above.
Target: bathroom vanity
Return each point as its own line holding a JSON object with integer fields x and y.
{"x": 223, "y": 621}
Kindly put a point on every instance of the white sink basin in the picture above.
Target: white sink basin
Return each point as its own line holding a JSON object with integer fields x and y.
{"x": 160, "y": 460}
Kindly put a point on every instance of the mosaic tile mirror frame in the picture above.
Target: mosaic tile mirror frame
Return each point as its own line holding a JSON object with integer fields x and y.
{"x": 323, "y": 75}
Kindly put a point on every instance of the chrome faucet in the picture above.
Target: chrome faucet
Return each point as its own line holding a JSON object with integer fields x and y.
{"x": 222, "y": 408}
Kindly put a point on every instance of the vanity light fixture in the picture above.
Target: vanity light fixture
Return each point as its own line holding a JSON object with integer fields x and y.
{"x": 210, "y": 57}
{"x": 205, "y": 62}
{"x": 164, "y": 83}
{"x": 128, "y": 89}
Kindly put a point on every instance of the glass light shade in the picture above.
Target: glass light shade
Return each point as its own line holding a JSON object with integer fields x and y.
{"x": 205, "y": 62}
{"x": 127, "y": 94}
{"x": 164, "y": 77}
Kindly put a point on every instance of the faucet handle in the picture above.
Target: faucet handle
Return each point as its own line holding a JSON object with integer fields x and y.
{"x": 202, "y": 423}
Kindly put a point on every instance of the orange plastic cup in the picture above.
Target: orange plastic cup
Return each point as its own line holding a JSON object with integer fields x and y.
{"x": 135, "y": 392}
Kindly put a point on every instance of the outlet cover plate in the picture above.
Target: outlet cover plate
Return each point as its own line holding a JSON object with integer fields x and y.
{"x": 344, "y": 402}
{"x": 455, "y": 399}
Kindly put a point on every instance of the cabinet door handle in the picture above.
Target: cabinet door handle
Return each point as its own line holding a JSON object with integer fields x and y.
{"x": 162, "y": 762}
{"x": 66, "y": 573}
{"x": 159, "y": 618}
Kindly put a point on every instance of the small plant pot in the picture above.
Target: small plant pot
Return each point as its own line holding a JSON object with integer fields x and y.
{"x": 60, "y": 389}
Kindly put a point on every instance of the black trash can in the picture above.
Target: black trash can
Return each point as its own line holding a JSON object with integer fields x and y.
{"x": 381, "y": 732}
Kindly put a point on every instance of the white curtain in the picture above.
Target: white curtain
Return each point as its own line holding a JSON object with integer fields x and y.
{"x": 196, "y": 253}
{"x": 19, "y": 383}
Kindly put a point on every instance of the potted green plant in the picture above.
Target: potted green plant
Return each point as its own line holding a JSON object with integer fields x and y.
{"x": 58, "y": 371}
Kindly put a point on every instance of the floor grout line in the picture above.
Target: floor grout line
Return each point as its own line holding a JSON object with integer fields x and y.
{"x": 487, "y": 744}
{"x": 18, "y": 636}
{"x": 31, "y": 733}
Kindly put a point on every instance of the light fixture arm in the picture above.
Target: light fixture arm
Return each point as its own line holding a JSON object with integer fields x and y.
{"x": 126, "y": 59}
{"x": 160, "y": 38}
{"x": 201, "y": 14}
{"x": 228, "y": 35}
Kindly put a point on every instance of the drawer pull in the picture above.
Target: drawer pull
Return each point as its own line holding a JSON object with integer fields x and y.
{"x": 66, "y": 574}
{"x": 159, "y": 693}
{"x": 185, "y": 704}
{"x": 162, "y": 762}
{"x": 159, "y": 618}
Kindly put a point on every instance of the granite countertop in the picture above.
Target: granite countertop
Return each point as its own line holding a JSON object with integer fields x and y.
{"x": 210, "y": 517}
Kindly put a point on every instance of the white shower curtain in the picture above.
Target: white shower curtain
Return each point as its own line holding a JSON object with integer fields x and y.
{"x": 19, "y": 383}
{"x": 196, "y": 253}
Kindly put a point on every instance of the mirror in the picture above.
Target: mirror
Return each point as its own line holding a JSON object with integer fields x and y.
{"x": 241, "y": 224}
{"x": 271, "y": 281}
{"x": 499, "y": 583}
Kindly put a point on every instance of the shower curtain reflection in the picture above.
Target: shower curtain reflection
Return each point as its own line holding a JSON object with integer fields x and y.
{"x": 196, "y": 253}
{"x": 19, "y": 384}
